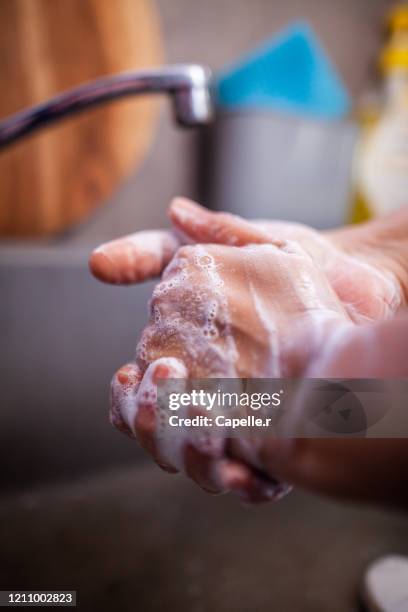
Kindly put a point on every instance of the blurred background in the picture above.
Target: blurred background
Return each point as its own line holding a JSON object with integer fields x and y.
{"x": 81, "y": 507}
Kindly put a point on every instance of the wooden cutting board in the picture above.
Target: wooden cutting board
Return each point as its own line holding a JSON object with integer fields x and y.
{"x": 54, "y": 179}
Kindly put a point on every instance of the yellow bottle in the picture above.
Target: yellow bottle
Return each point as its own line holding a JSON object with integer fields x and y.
{"x": 381, "y": 161}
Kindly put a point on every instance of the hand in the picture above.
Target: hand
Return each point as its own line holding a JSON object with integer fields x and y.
{"x": 368, "y": 470}
{"x": 366, "y": 276}
{"x": 375, "y": 295}
{"x": 250, "y": 312}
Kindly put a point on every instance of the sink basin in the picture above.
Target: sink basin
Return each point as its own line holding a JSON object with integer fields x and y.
{"x": 63, "y": 335}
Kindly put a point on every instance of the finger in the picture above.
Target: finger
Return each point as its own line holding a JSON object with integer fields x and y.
{"x": 249, "y": 485}
{"x": 204, "y": 226}
{"x": 124, "y": 386}
{"x": 202, "y": 468}
{"x": 370, "y": 470}
{"x": 259, "y": 487}
{"x": 146, "y": 418}
{"x": 134, "y": 258}
{"x": 202, "y": 452}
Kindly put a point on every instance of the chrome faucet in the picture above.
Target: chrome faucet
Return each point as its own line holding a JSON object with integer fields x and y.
{"x": 187, "y": 84}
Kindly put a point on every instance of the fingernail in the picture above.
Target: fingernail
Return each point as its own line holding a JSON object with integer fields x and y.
{"x": 161, "y": 372}
{"x": 232, "y": 476}
{"x": 182, "y": 205}
{"x": 123, "y": 377}
{"x": 102, "y": 266}
{"x": 186, "y": 212}
{"x": 166, "y": 467}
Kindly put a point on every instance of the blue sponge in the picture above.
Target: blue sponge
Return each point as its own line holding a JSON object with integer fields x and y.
{"x": 290, "y": 73}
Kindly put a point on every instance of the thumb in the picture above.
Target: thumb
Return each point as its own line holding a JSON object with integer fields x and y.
{"x": 134, "y": 258}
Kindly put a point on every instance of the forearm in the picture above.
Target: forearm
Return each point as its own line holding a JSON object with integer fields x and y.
{"x": 372, "y": 469}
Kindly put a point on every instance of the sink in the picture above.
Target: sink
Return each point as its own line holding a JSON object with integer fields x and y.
{"x": 63, "y": 335}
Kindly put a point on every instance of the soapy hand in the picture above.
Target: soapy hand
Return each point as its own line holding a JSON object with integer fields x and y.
{"x": 255, "y": 311}
{"x": 364, "y": 276}
{"x": 258, "y": 311}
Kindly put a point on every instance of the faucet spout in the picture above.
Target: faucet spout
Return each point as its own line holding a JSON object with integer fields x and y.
{"x": 187, "y": 84}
